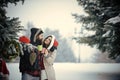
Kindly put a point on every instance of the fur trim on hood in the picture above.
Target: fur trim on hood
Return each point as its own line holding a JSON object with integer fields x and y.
{"x": 34, "y": 33}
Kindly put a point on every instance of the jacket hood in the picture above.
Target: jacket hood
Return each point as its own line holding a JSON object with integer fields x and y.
{"x": 53, "y": 44}
{"x": 34, "y": 33}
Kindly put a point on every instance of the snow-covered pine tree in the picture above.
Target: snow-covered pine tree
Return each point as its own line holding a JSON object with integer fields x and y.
{"x": 9, "y": 27}
{"x": 106, "y": 36}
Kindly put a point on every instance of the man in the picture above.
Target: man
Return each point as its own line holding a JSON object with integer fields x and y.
{"x": 29, "y": 62}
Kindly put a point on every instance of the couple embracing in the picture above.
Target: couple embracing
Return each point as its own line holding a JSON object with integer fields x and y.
{"x": 37, "y": 56}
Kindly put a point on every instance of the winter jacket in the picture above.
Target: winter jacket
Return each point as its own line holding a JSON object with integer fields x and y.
{"x": 48, "y": 63}
{"x": 25, "y": 63}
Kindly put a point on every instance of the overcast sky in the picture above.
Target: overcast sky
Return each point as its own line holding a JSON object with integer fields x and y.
{"x": 53, "y": 14}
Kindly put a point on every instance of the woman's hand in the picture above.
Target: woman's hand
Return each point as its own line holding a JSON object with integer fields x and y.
{"x": 46, "y": 51}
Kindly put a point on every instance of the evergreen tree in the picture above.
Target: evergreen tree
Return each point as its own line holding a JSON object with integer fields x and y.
{"x": 9, "y": 27}
{"x": 104, "y": 20}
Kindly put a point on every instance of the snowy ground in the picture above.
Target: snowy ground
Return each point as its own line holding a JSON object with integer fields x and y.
{"x": 75, "y": 71}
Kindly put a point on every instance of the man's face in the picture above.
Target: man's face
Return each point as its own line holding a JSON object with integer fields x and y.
{"x": 40, "y": 37}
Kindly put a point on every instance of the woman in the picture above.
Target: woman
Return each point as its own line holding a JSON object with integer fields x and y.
{"x": 49, "y": 54}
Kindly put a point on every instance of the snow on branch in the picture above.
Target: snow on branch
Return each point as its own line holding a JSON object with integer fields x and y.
{"x": 106, "y": 34}
{"x": 113, "y": 20}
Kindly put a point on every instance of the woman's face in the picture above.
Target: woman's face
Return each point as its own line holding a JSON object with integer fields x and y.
{"x": 48, "y": 40}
